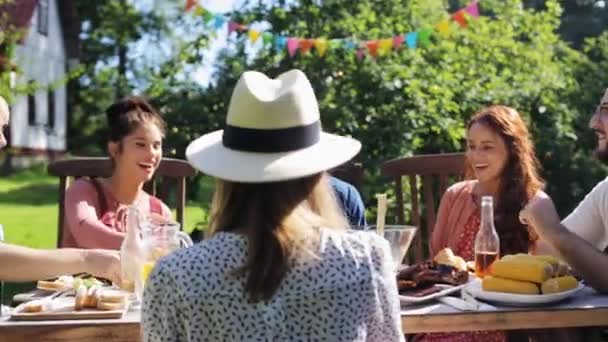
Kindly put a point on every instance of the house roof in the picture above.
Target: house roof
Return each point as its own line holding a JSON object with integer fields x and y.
{"x": 21, "y": 12}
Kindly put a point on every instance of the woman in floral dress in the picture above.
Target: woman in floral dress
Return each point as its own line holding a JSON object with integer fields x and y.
{"x": 500, "y": 162}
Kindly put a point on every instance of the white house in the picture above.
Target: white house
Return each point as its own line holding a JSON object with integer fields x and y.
{"x": 38, "y": 124}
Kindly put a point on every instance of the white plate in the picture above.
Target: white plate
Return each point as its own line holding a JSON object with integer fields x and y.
{"x": 446, "y": 290}
{"x": 512, "y": 299}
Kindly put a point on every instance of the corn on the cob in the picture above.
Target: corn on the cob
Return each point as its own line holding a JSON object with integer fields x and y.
{"x": 551, "y": 260}
{"x": 497, "y": 284}
{"x": 560, "y": 284}
{"x": 522, "y": 269}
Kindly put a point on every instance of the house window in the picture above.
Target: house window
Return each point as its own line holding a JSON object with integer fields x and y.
{"x": 51, "y": 110}
{"x": 31, "y": 109}
{"x": 43, "y": 17}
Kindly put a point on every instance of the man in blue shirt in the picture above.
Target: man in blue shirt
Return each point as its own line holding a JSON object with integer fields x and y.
{"x": 350, "y": 201}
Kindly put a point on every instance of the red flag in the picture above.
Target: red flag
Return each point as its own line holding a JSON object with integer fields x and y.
{"x": 306, "y": 44}
{"x": 372, "y": 46}
{"x": 189, "y": 5}
{"x": 460, "y": 19}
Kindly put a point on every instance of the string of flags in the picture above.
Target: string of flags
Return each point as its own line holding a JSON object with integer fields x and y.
{"x": 374, "y": 47}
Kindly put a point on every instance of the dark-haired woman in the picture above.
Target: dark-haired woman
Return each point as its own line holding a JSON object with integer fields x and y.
{"x": 500, "y": 162}
{"x": 95, "y": 208}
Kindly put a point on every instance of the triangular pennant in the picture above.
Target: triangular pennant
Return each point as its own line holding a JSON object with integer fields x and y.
{"x": 472, "y": 9}
{"x": 335, "y": 43}
{"x": 443, "y": 28}
{"x": 232, "y": 27}
{"x": 253, "y": 35}
{"x": 349, "y": 45}
{"x": 219, "y": 21}
{"x": 207, "y": 16}
{"x": 280, "y": 42}
{"x": 460, "y": 18}
{"x": 306, "y": 44}
{"x": 189, "y": 5}
{"x": 372, "y": 46}
{"x": 385, "y": 45}
{"x": 424, "y": 36}
{"x": 199, "y": 11}
{"x": 397, "y": 41}
{"x": 292, "y": 46}
{"x": 411, "y": 39}
{"x": 267, "y": 38}
{"x": 360, "y": 54}
{"x": 321, "y": 46}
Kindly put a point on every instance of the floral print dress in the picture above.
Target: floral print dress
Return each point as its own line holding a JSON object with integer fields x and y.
{"x": 466, "y": 249}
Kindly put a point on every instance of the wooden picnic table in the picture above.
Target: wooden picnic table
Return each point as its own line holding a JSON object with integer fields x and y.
{"x": 585, "y": 310}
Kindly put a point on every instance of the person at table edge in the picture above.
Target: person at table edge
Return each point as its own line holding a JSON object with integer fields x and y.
{"x": 23, "y": 264}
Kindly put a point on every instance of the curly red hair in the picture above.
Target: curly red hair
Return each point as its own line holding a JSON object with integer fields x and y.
{"x": 520, "y": 179}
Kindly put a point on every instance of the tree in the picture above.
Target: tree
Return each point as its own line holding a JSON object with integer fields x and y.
{"x": 415, "y": 101}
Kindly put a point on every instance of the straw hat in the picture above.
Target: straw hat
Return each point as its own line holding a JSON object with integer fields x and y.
{"x": 273, "y": 133}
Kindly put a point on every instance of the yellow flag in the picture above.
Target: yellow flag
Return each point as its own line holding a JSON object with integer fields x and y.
{"x": 253, "y": 35}
{"x": 443, "y": 28}
{"x": 385, "y": 45}
{"x": 321, "y": 46}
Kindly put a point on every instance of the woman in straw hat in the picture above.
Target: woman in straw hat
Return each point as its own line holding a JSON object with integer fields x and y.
{"x": 279, "y": 265}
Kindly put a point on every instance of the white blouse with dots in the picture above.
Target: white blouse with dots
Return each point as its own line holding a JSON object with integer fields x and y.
{"x": 347, "y": 293}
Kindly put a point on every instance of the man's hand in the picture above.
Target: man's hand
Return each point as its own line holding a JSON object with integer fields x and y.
{"x": 540, "y": 214}
{"x": 104, "y": 263}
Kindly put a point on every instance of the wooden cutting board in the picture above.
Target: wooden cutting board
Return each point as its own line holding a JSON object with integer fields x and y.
{"x": 63, "y": 309}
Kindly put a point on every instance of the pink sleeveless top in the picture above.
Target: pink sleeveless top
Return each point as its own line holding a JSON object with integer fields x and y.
{"x": 94, "y": 219}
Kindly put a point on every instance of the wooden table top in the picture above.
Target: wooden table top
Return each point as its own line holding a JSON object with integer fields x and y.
{"x": 586, "y": 309}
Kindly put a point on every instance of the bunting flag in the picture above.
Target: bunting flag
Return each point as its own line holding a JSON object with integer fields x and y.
{"x": 321, "y": 46}
{"x": 267, "y": 38}
{"x": 253, "y": 35}
{"x": 280, "y": 42}
{"x": 360, "y": 54}
{"x": 424, "y": 36}
{"x": 397, "y": 41}
{"x": 472, "y": 9}
{"x": 190, "y": 4}
{"x": 460, "y": 18}
{"x": 305, "y": 45}
{"x": 374, "y": 47}
{"x": 411, "y": 39}
{"x": 232, "y": 27}
{"x": 385, "y": 46}
{"x": 292, "y": 46}
{"x": 443, "y": 27}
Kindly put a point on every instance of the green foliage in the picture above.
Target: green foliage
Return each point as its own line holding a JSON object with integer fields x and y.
{"x": 417, "y": 101}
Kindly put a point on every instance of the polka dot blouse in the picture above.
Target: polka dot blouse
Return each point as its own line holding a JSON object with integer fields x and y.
{"x": 345, "y": 292}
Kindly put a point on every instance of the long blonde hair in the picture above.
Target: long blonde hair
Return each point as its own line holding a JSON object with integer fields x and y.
{"x": 277, "y": 218}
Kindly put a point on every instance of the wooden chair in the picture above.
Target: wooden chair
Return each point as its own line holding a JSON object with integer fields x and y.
{"x": 102, "y": 167}
{"x": 436, "y": 172}
{"x": 349, "y": 172}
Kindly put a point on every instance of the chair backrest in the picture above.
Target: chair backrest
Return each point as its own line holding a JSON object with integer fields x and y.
{"x": 349, "y": 172}
{"x": 102, "y": 167}
{"x": 436, "y": 171}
